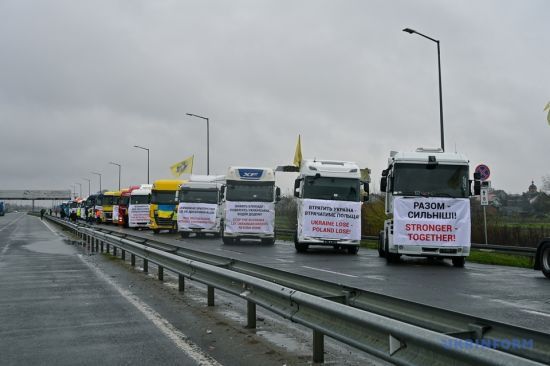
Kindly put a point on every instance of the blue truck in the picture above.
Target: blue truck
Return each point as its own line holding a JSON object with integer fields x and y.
{"x": 2, "y": 209}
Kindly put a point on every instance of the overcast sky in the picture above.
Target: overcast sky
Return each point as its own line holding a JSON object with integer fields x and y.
{"x": 81, "y": 82}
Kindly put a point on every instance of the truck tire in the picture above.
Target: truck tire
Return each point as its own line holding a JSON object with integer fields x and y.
{"x": 459, "y": 262}
{"x": 391, "y": 257}
{"x": 268, "y": 241}
{"x": 156, "y": 231}
{"x": 545, "y": 259}
{"x": 301, "y": 247}
{"x": 381, "y": 241}
{"x": 184, "y": 234}
{"x": 353, "y": 249}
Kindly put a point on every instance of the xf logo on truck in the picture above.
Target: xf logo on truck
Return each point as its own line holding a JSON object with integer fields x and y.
{"x": 252, "y": 174}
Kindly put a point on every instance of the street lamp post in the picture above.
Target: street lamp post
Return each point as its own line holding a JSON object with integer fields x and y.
{"x": 207, "y": 140}
{"x": 99, "y": 174}
{"x": 144, "y": 148}
{"x": 412, "y": 31}
{"x": 80, "y": 191}
{"x": 119, "y": 169}
{"x": 74, "y": 191}
{"x": 89, "y": 185}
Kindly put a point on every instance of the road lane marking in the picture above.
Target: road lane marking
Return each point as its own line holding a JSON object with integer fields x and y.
{"x": 537, "y": 313}
{"x": 180, "y": 340}
{"x": 326, "y": 270}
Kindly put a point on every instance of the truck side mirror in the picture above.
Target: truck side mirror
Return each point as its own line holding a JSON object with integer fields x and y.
{"x": 277, "y": 194}
{"x": 383, "y": 184}
{"x": 477, "y": 187}
{"x": 367, "y": 191}
{"x": 297, "y": 188}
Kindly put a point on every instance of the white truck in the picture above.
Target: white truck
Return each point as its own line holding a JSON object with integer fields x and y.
{"x": 427, "y": 202}
{"x": 138, "y": 207}
{"x": 329, "y": 196}
{"x": 249, "y": 204}
{"x": 200, "y": 205}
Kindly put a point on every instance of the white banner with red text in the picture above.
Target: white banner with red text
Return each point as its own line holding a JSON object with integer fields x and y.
{"x": 438, "y": 221}
{"x": 138, "y": 215}
{"x": 197, "y": 215}
{"x": 337, "y": 220}
{"x": 250, "y": 217}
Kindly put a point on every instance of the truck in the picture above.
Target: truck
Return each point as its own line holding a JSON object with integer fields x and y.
{"x": 542, "y": 257}
{"x": 199, "y": 208}
{"x": 427, "y": 204}
{"x": 138, "y": 208}
{"x": 330, "y": 195}
{"x": 249, "y": 204}
{"x": 110, "y": 199}
{"x": 122, "y": 217}
{"x": 2, "y": 208}
{"x": 163, "y": 204}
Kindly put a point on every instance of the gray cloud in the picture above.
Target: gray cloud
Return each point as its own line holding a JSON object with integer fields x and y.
{"x": 81, "y": 83}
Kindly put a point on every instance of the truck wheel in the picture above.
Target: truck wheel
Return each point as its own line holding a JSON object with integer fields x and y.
{"x": 353, "y": 249}
{"x": 459, "y": 262}
{"x": 301, "y": 247}
{"x": 545, "y": 260}
{"x": 268, "y": 241}
{"x": 156, "y": 231}
{"x": 381, "y": 240}
{"x": 227, "y": 240}
{"x": 184, "y": 234}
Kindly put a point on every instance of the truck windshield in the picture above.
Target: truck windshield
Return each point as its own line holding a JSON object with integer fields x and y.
{"x": 107, "y": 200}
{"x": 432, "y": 181}
{"x": 250, "y": 191}
{"x": 327, "y": 188}
{"x": 124, "y": 200}
{"x": 140, "y": 200}
{"x": 199, "y": 196}
{"x": 163, "y": 197}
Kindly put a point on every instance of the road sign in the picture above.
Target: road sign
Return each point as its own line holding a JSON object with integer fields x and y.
{"x": 483, "y": 171}
{"x": 484, "y": 196}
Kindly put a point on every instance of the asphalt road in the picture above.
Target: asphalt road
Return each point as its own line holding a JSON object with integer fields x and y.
{"x": 60, "y": 305}
{"x": 506, "y": 294}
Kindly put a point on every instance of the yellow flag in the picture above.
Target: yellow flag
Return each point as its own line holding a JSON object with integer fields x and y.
{"x": 547, "y": 108}
{"x": 183, "y": 167}
{"x": 298, "y": 153}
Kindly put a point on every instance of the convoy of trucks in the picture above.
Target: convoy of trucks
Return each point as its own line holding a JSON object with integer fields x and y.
{"x": 427, "y": 202}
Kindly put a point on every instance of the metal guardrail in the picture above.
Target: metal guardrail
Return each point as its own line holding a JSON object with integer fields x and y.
{"x": 411, "y": 334}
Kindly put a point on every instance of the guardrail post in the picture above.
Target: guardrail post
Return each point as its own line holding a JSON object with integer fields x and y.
{"x": 181, "y": 283}
{"x": 123, "y": 254}
{"x": 250, "y": 315}
{"x": 101, "y": 246}
{"x": 133, "y": 260}
{"x": 161, "y": 273}
{"x": 210, "y": 296}
{"x": 108, "y": 251}
{"x": 145, "y": 265}
{"x": 318, "y": 347}
{"x": 114, "y": 250}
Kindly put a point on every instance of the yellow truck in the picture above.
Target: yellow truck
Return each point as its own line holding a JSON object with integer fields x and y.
{"x": 164, "y": 204}
{"x": 110, "y": 199}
